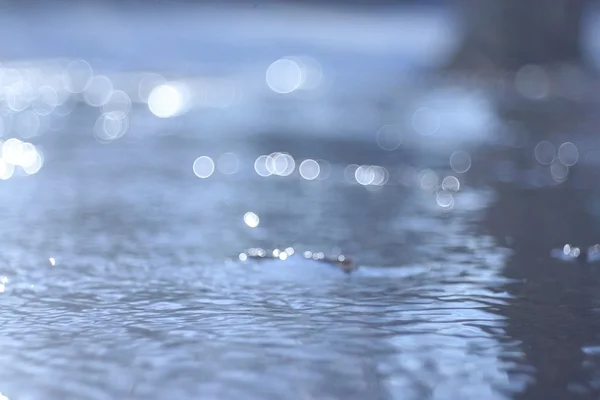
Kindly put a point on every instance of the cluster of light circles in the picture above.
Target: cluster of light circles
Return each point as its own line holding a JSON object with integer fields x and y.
{"x": 445, "y": 193}
{"x": 274, "y": 164}
{"x": 98, "y": 91}
{"x": 114, "y": 121}
{"x": 53, "y": 87}
{"x": 164, "y": 99}
{"x": 290, "y": 74}
{"x": 19, "y": 155}
{"x": 316, "y": 255}
{"x": 367, "y": 175}
{"x": 559, "y": 160}
{"x": 29, "y": 94}
{"x": 256, "y": 252}
{"x": 278, "y": 164}
{"x": 429, "y": 181}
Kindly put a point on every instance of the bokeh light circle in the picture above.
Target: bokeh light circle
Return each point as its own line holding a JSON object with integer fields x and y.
{"x": 309, "y": 169}
{"x": 284, "y": 76}
{"x": 203, "y": 167}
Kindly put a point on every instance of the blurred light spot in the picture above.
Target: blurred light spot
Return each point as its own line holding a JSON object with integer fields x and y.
{"x": 350, "y": 173}
{"x": 389, "y": 137}
{"x": 289, "y": 251}
{"x": 22, "y": 154}
{"x": 261, "y": 166}
{"x": 568, "y": 154}
{"x": 111, "y": 126}
{"x": 52, "y": 261}
{"x": 451, "y": 183}
{"x": 19, "y": 96}
{"x": 545, "y": 152}
{"x": 309, "y": 169}
{"x": 251, "y": 219}
{"x": 98, "y": 91}
{"x": 445, "y": 199}
{"x": 425, "y": 121}
{"x": 428, "y": 179}
{"x": 559, "y": 171}
{"x": 567, "y": 249}
{"x": 243, "y": 257}
{"x": 307, "y": 254}
{"x": 148, "y": 82}
{"x": 12, "y": 150}
{"x": 364, "y": 175}
{"x": 27, "y": 158}
{"x": 460, "y": 161}
{"x": 77, "y": 76}
{"x": 341, "y": 258}
{"x": 283, "y": 256}
{"x": 6, "y": 170}
{"x": 46, "y": 101}
{"x": 276, "y": 253}
{"x": 166, "y": 101}
{"x": 26, "y": 124}
{"x": 532, "y": 82}
{"x": 281, "y": 164}
{"x": 228, "y": 164}
{"x": 2, "y": 397}
{"x": 284, "y": 76}
{"x": 118, "y": 101}
{"x": 203, "y": 167}
{"x": 35, "y": 166}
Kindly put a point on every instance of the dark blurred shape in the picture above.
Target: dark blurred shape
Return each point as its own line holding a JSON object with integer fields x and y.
{"x": 511, "y": 33}
{"x": 552, "y": 312}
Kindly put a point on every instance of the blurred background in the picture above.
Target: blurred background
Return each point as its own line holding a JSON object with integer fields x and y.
{"x": 447, "y": 146}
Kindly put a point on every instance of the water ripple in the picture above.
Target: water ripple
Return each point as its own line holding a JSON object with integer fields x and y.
{"x": 140, "y": 303}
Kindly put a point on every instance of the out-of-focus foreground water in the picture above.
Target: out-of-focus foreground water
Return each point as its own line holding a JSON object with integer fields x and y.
{"x": 142, "y": 303}
{"x": 120, "y": 232}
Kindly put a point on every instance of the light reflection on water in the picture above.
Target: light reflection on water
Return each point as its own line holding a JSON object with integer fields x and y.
{"x": 116, "y": 279}
{"x": 141, "y": 302}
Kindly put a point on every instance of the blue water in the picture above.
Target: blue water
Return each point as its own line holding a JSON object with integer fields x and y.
{"x": 146, "y": 299}
{"x": 119, "y": 269}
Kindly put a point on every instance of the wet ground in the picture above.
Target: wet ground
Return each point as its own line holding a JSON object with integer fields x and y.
{"x": 122, "y": 279}
{"x": 120, "y": 275}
